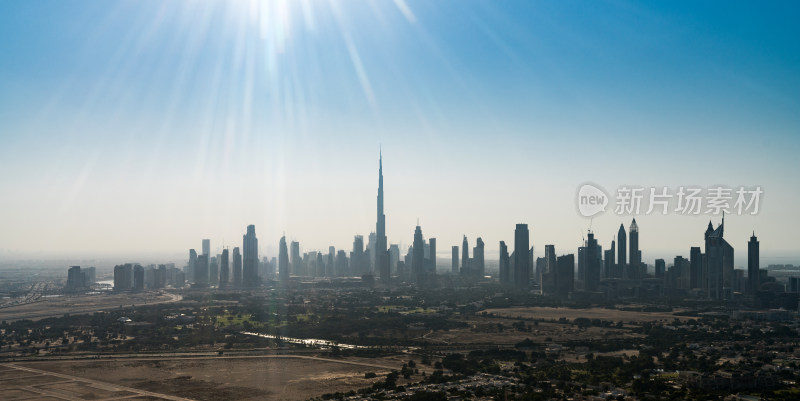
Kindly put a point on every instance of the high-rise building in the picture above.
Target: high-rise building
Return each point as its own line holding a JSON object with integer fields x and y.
{"x": 622, "y": 253}
{"x": 418, "y": 258}
{"x": 283, "y": 262}
{"x": 547, "y": 275}
{"x": 432, "y": 256}
{"x": 592, "y": 271}
{"x": 138, "y": 278}
{"x": 123, "y": 277}
{"x": 357, "y": 257}
{"x": 609, "y": 264}
{"x": 192, "y": 264}
{"x": 661, "y": 268}
{"x": 394, "y": 257}
{"x": 565, "y": 275}
{"x": 237, "y": 268}
{"x": 695, "y": 268}
{"x": 454, "y": 260}
{"x": 504, "y": 265}
{"x": 201, "y": 271}
{"x": 342, "y": 269}
{"x": 224, "y": 269}
{"x": 76, "y": 278}
{"x": 207, "y": 247}
{"x": 250, "y": 258}
{"x": 635, "y": 255}
{"x": 213, "y": 271}
{"x": 478, "y": 265}
{"x": 522, "y": 260}
{"x": 296, "y": 261}
{"x": 465, "y": 263}
{"x": 381, "y": 252}
{"x": 753, "y": 277}
{"x": 719, "y": 264}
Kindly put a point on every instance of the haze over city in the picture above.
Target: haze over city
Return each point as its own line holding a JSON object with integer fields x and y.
{"x": 137, "y": 129}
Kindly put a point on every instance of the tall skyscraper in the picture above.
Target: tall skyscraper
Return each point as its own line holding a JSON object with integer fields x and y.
{"x": 635, "y": 255}
{"x": 719, "y": 264}
{"x": 432, "y": 258}
{"x": 213, "y": 271}
{"x": 504, "y": 265}
{"x": 547, "y": 275}
{"x": 622, "y": 253}
{"x": 609, "y": 265}
{"x": 224, "y": 269}
{"x": 207, "y": 247}
{"x": 138, "y": 278}
{"x": 592, "y": 271}
{"x": 522, "y": 260}
{"x": 661, "y": 268}
{"x": 381, "y": 252}
{"x": 478, "y": 265}
{"x": 237, "y": 268}
{"x": 357, "y": 258}
{"x": 201, "y": 271}
{"x": 695, "y": 268}
{"x": 123, "y": 277}
{"x": 250, "y": 258}
{"x": 454, "y": 260}
{"x": 753, "y": 276}
{"x": 192, "y": 264}
{"x": 418, "y": 258}
{"x": 565, "y": 275}
{"x": 465, "y": 257}
{"x": 283, "y": 262}
{"x": 296, "y": 260}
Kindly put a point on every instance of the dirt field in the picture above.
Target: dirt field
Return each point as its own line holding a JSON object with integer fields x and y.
{"x": 591, "y": 313}
{"x": 79, "y": 304}
{"x": 228, "y": 378}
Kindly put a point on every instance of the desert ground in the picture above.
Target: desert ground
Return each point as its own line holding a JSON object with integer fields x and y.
{"x": 281, "y": 377}
{"x": 80, "y": 304}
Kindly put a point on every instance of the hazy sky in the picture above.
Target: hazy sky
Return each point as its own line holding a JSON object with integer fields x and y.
{"x": 139, "y": 128}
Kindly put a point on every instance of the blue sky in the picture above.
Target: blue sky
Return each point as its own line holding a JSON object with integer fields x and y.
{"x": 136, "y": 127}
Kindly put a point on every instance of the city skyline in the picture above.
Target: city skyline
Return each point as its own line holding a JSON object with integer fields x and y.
{"x": 108, "y": 150}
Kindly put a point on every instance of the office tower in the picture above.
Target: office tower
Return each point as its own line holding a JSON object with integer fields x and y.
{"x": 192, "y": 264}
{"x": 465, "y": 257}
{"x": 719, "y": 264}
{"x": 548, "y": 273}
{"x": 454, "y": 260}
{"x": 123, "y": 277}
{"x": 522, "y": 260}
{"x": 622, "y": 253}
{"x": 224, "y": 269}
{"x": 478, "y": 265}
{"x": 609, "y": 265}
{"x": 320, "y": 266}
{"x": 661, "y": 268}
{"x": 161, "y": 276}
{"x": 138, "y": 278}
{"x": 592, "y": 270}
{"x": 418, "y": 257}
{"x": 250, "y": 258}
{"x": 635, "y": 258}
{"x": 753, "y": 277}
{"x": 565, "y": 275}
{"x": 695, "y": 268}
{"x": 237, "y": 268}
{"x": 207, "y": 247}
{"x": 91, "y": 275}
{"x": 582, "y": 262}
{"x": 432, "y": 258}
{"x": 504, "y": 265}
{"x": 342, "y": 269}
{"x": 213, "y": 271}
{"x": 283, "y": 262}
{"x": 394, "y": 257}
{"x": 76, "y": 279}
{"x": 294, "y": 259}
{"x": 201, "y": 270}
{"x": 329, "y": 266}
{"x": 678, "y": 274}
{"x": 381, "y": 252}
{"x": 357, "y": 256}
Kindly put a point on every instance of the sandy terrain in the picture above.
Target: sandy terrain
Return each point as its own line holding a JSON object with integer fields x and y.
{"x": 80, "y": 304}
{"x": 229, "y": 378}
